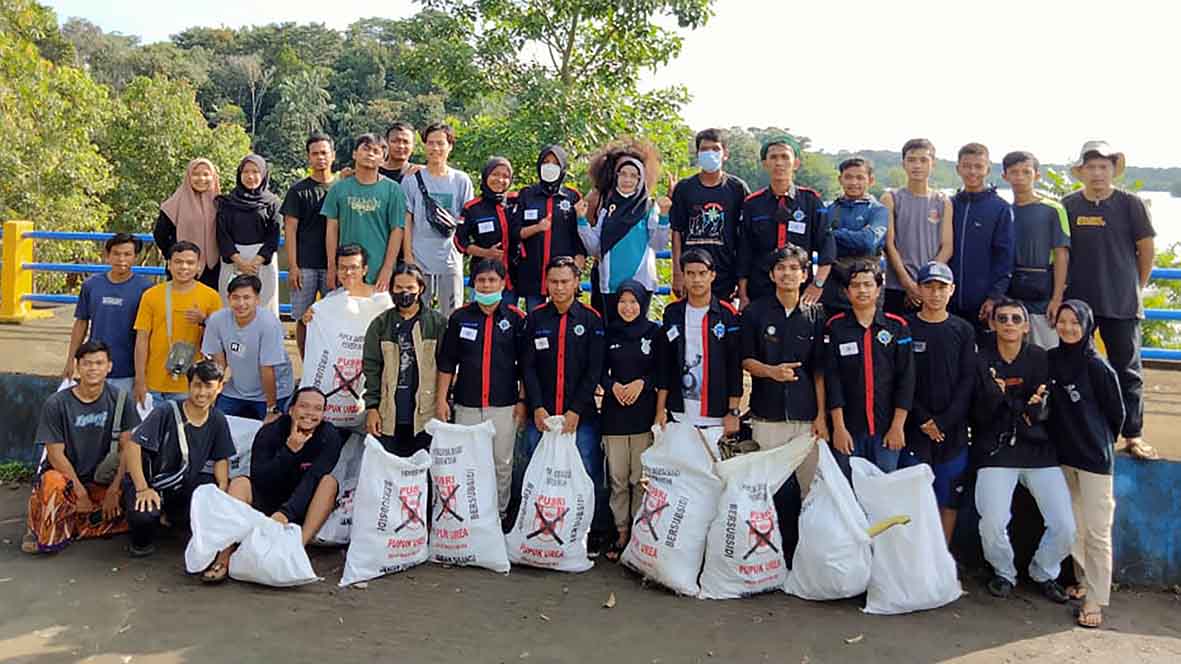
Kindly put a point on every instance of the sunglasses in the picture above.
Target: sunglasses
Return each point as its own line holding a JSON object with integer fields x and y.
{"x": 1015, "y": 319}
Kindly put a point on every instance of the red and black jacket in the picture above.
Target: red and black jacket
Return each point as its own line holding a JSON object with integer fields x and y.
{"x": 870, "y": 371}
{"x": 562, "y": 358}
{"x": 485, "y": 223}
{"x": 484, "y": 350}
{"x": 769, "y": 222}
{"x": 772, "y": 337}
{"x": 533, "y": 205}
{"x": 721, "y": 364}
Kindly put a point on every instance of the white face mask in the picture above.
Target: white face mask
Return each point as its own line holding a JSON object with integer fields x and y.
{"x": 550, "y": 172}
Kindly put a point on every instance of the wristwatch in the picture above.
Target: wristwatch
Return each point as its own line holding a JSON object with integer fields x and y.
{"x": 273, "y": 410}
{"x": 734, "y": 412}
{"x": 819, "y": 281}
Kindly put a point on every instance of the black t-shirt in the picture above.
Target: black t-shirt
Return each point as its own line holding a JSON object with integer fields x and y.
{"x": 395, "y": 175}
{"x": 407, "y": 373}
{"x": 1103, "y": 268}
{"x": 707, "y": 218}
{"x": 303, "y": 202}
{"x": 157, "y": 436}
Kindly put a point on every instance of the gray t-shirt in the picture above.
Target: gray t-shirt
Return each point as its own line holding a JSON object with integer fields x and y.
{"x": 433, "y": 252}
{"x": 259, "y": 344}
{"x": 84, "y": 428}
{"x": 918, "y": 224}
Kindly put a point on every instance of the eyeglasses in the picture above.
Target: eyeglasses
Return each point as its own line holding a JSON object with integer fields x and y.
{"x": 349, "y": 268}
{"x": 1015, "y": 319}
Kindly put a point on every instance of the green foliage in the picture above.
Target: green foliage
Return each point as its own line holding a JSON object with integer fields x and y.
{"x": 157, "y": 128}
{"x": 303, "y": 107}
{"x": 817, "y": 170}
{"x": 1164, "y": 294}
{"x": 16, "y": 471}
{"x": 29, "y": 22}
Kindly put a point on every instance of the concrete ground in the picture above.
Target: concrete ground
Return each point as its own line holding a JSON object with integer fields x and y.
{"x": 91, "y": 603}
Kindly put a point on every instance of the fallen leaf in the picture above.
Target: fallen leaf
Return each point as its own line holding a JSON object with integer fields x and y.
{"x": 856, "y": 639}
{"x": 610, "y": 603}
{"x": 124, "y": 628}
{"x": 543, "y": 617}
{"x": 340, "y": 619}
{"x": 525, "y": 655}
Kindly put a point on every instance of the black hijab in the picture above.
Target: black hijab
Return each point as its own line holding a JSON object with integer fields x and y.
{"x": 485, "y": 192}
{"x": 251, "y": 200}
{"x": 1072, "y": 359}
{"x": 624, "y": 212}
{"x": 559, "y": 153}
{"x": 621, "y": 329}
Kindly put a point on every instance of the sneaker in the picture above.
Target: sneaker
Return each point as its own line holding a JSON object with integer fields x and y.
{"x": 1000, "y": 587}
{"x": 141, "y": 552}
{"x": 1053, "y": 592}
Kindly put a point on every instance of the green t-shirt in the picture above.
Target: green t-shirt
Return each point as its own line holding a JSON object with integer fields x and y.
{"x": 367, "y": 214}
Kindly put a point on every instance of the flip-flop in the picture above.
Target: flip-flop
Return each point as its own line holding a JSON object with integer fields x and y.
{"x": 1084, "y": 618}
{"x": 220, "y": 571}
{"x": 29, "y": 543}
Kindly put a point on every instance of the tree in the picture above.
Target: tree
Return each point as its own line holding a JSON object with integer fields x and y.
{"x": 29, "y": 22}
{"x": 249, "y": 79}
{"x": 817, "y": 170}
{"x": 304, "y": 106}
{"x": 156, "y": 130}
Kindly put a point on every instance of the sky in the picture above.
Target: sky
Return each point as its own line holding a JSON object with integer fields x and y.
{"x": 1039, "y": 75}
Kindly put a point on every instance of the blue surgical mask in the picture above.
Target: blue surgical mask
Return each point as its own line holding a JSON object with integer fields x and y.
{"x": 710, "y": 161}
{"x": 488, "y": 299}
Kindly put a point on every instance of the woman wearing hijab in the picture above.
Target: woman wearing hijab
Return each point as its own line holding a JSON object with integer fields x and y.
{"x": 1085, "y": 420}
{"x": 629, "y": 402}
{"x": 483, "y": 231}
{"x": 545, "y": 225}
{"x": 627, "y": 228}
{"x": 190, "y": 213}
{"x": 248, "y": 223}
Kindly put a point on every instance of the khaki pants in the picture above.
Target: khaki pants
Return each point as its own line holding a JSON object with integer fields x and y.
{"x": 1093, "y": 498}
{"x": 502, "y": 444}
{"x": 770, "y": 435}
{"x": 623, "y": 464}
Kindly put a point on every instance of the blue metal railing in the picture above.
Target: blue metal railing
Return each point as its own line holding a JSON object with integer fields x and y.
{"x": 1159, "y": 273}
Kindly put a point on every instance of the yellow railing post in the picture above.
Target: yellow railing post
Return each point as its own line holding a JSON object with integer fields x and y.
{"x": 15, "y": 281}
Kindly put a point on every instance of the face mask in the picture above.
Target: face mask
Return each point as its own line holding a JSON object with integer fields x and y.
{"x": 550, "y": 172}
{"x": 710, "y": 161}
{"x": 488, "y": 299}
{"x": 404, "y": 300}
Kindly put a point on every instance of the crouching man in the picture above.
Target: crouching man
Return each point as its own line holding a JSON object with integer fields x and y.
{"x": 166, "y": 459}
{"x": 291, "y": 465}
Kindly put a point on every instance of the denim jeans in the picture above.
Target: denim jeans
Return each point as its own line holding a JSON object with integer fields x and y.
{"x": 872, "y": 449}
{"x": 255, "y": 410}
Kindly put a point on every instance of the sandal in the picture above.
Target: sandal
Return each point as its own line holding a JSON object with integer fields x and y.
{"x": 1076, "y": 592}
{"x": 1142, "y": 450}
{"x": 217, "y": 573}
{"x": 29, "y": 543}
{"x": 616, "y": 550}
{"x": 1092, "y": 619}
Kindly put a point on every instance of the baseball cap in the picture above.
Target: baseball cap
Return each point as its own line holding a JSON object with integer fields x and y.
{"x": 936, "y": 271}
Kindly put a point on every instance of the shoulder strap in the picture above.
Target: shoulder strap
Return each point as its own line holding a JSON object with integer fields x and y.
{"x": 421, "y": 185}
{"x": 181, "y": 438}
{"x": 168, "y": 310}
{"x": 117, "y": 424}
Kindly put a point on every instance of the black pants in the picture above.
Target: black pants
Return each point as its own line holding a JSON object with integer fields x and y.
{"x": 144, "y": 526}
{"x": 405, "y": 442}
{"x": 1121, "y": 336}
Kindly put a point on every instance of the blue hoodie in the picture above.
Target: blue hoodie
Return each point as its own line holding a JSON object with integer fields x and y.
{"x": 984, "y": 249}
{"x": 858, "y": 226}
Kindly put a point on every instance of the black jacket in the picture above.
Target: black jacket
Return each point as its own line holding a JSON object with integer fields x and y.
{"x": 869, "y": 385}
{"x": 1086, "y": 416}
{"x": 770, "y": 337}
{"x": 484, "y": 350}
{"x": 288, "y": 479}
{"x": 770, "y": 222}
{"x": 944, "y": 381}
{"x": 485, "y": 224}
{"x": 630, "y": 357}
{"x": 721, "y": 364}
{"x": 561, "y": 239}
{"x": 563, "y": 358}
{"x": 1001, "y": 436}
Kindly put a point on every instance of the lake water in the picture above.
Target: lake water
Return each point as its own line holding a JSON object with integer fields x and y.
{"x": 1166, "y": 215}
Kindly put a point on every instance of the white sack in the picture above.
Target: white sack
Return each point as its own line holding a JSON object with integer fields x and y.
{"x": 335, "y": 530}
{"x": 273, "y": 555}
{"x": 217, "y": 520}
{"x": 333, "y": 353}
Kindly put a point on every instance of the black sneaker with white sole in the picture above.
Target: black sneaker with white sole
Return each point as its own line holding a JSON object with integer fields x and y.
{"x": 1000, "y": 587}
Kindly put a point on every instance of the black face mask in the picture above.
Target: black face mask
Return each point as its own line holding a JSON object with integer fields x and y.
{"x": 404, "y": 300}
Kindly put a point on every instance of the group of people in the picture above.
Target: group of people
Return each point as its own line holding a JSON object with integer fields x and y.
{"x": 971, "y": 350}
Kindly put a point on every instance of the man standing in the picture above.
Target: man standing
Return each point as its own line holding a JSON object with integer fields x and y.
{"x": 106, "y": 311}
{"x": 78, "y": 428}
{"x": 478, "y": 357}
{"x": 561, "y": 363}
{"x": 1111, "y": 236}
{"x": 366, "y": 209}
{"x": 249, "y": 340}
{"x": 305, "y": 230}
{"x": 400, "y": 145}
{"x": 161, "y": 476}
{"x": 399, "y": 366}
{"x": 435, "y": 197}
{"x": 705, "y": 213}
{"x": 699, "y": 379}
{"x": 776, "y": 215}
{"x": 169, "y": 325}
{"x": 869, "y": 376}
{"x": 982, "y": 227}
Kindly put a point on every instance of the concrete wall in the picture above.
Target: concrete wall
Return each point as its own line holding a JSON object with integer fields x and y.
{"x": 21, "y": 397}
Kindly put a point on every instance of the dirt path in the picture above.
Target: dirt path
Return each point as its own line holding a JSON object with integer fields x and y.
{"x": 91, "y": 603}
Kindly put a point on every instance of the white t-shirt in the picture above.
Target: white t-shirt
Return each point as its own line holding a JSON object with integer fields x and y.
{"x": 691, "y": 371}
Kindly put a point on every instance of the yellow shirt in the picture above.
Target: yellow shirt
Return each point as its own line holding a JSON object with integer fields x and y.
{"x": 150, "y": 319}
